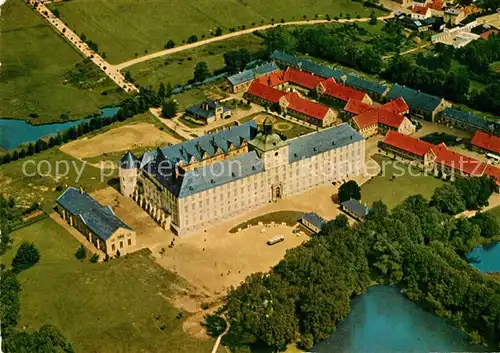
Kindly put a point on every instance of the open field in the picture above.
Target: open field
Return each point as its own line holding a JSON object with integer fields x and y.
{"x": 285, "y": 127}
{"x": 120, "y": 139}
{"x": 392, "y": 192}
{"x": 144, "y": 25}
{"x": 28, "y": 185}
{"x": 179, "y": 68}
{"x": 116, "y": 306}
{"x": 34, "y": 63}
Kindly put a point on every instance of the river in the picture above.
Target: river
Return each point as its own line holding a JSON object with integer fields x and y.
{"x": 383, "y": 321}
{"x": 14, "y": 132}
{"x": 486, "y": 258}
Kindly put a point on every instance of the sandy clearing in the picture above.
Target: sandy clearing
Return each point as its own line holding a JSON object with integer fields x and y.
{"x": 122, "y": 138}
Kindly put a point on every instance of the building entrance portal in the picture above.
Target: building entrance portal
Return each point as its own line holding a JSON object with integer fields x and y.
{"x": 277, "y": 191}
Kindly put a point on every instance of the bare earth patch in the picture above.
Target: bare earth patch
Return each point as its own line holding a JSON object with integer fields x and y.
{"x": 122, "y": 138}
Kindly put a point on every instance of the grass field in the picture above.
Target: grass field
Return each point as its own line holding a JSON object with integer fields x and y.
{"x": 179, "y": 68}
{"x": 289, "y": 217}
{"x": 392, "y": 192}
{"x": 21, "y": 180}
{"x": 34, "y": 61}
{"x": 123, "y": 28}
{"x": 115, "y": 306}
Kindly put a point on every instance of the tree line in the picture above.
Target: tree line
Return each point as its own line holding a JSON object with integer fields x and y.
{"x": 414, "y": 246}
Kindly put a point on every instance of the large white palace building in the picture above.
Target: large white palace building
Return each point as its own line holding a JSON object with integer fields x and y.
{"x": 201, "y": 182}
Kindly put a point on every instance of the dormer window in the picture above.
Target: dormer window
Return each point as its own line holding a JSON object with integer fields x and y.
{"x": 233, "y": 174}
{"x": 212, "y": 181}
{"x": 276, "y": 154}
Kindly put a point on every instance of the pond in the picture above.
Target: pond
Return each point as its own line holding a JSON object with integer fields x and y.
{"x": 486, "y": 258}
{"x": 13, "y": 132}
{"x": 383, "y": 321}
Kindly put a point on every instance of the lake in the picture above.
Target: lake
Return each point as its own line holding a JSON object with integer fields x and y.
{"x": 486, "y": 258}
{"x": 13, "y": 132}
{"x": 383, "y": 321}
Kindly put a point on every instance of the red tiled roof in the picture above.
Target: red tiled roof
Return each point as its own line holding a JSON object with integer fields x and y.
{"x": 341, "y": 92}
{"x": 378, "y": 115}
{"x": 265, "y": 92}
{"x": 407, "y": 143}
{"x": 493, "y": 172}
{"x": 458, "y": 161}
{"x": 486, "y": 141}
{"x": 302, "y": 78}
{"x": 397, "y": 105}
{"x": 486, "y": 34}
{"x": 436, "y": 5}
{"x": 292, "y": 75}
{"x": 357, "y": 107}
{"x": 366, "y": 119}
{"x": 422, "y": 10}
{"x": 307, "y": 107}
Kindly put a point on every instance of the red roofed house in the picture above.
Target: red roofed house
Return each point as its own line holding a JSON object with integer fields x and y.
{"x": 355, "y": 107}
{"x": 381, "y": 119}
{"x": 437, "y": 158}
{"x": 312, "y": 112}
{"x": 486, "y": 143}
{"x": 421, "y": 12}
{"x": 487, "y": 34}
{"x": 291, "y": 76}
{"x": 263, "y": 94}
{"x": 340, "y": 93}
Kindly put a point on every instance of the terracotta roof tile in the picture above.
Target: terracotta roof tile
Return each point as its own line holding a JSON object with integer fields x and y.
{"x": 341, "y": 92}
{"x": 486, "y": 141}
{"x": 486, "y": 34}
{"x": 397, "y": 105}
{"x": 307, "y": 107}
{"x": 407, "y": 143}
{"x": 265, "y": 92}
{"x": 357, "y": 107}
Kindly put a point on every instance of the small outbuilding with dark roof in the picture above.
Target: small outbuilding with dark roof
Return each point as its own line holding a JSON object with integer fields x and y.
{"x": 355, "y": 209}
{"x": 313, "y": 222}
{"x": 99, "y": 224}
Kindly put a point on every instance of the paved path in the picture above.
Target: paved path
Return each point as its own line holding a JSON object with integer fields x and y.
{"x": 81, "y": 46}
{"x": 236, "y": 34}
{"x": 407, "y": 51}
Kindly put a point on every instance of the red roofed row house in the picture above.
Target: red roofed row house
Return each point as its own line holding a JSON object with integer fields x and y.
{"x": 370, "y": 120}
{"x": 437, "y": 158}
{"x": 486, "y": 143}
{"x": 270, "y": 90}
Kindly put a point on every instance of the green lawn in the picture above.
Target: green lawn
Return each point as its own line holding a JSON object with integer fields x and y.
{"x": 393, "y": 192}
{"x": 179, "y": 68}
{"x": 34, "y": 61}
{"x": 123, "y": 28}
{"x": 115, "y": 306}
{"x": 28, "y": 185}
{"x": 289, "y": 217}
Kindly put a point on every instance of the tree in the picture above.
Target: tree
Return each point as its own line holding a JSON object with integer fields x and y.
{"x": 47, "y": 339}
{"x": 94, "y": 258}
{"x": 235, "y": 60}
{"x": 56, "y": 12}
{"x": 373, "y": 18}
{"x": 170, "y": 44}
{"x": 81, "y": 253}
{"x": 201, "y": 72}
{"x": 128, "y": 76}
{"x": 9, "y": 300}
{"x": 192, "y": 39}
{"x": 161, "y": 91}
{"x": 168, "y": 90}
{"x": 169, "y": 109}
{"x": 218, "y": 31}
{"x": 349, "y": 190}
{"x": 280, "y": 39}
{"x": 448, "y": 199}
{"x": 215, "y": 325}
{"x": 487, "y": 223}
{"x": 27, "y": 255}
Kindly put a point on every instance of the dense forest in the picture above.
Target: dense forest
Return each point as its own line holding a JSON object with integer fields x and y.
{"x": 413, "y": 246}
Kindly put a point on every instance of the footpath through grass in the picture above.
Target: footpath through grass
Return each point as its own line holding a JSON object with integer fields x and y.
{"x": 115, "y": 306}
{"x": 399, "y": 181}
{"x": 35, "y": 60}
{"x": 124, "y": 28}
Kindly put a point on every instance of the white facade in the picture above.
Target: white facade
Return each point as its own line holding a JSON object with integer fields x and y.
{"x": 279, "y": 179}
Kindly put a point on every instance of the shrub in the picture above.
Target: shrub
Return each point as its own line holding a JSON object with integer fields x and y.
{"x": 215, "y": 325}
{"x": 27, "y": 255}
{"x": 80, "y": 253}
{"x": 94, "y": 258}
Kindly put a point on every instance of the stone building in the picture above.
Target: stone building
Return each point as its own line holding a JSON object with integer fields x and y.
{"x": 208, "y": 112}
{"x": 97, "y": 223}
{"x": 210, "y": 179}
